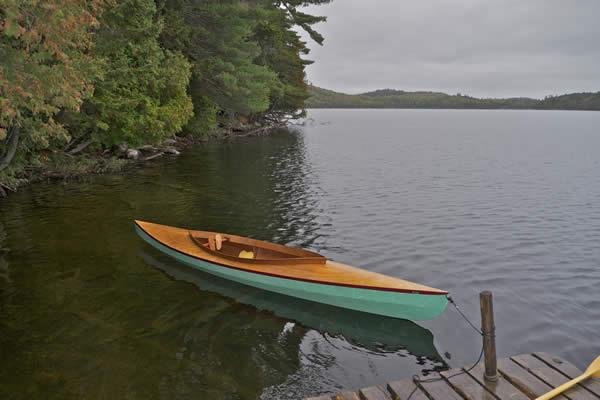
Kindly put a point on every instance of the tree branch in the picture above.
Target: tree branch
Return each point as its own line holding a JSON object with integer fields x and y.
{"x": 11, "y": 148}
{"x": 81, "y": 146}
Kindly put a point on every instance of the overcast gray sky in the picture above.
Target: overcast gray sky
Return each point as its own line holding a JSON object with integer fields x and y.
{"x": 494, "y": 48}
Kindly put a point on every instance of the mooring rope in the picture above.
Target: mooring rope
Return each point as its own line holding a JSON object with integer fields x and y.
{"x": 451, "y": 300}
{"x": 417, "y": 380}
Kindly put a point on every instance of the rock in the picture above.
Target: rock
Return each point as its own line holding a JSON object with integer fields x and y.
{"x": 169, "y": 142}
{"x": 171, "y": 150}
{"x": 147, "y": 148}
{"x": 133, "y": 154}
{"x": 122, "y": 148}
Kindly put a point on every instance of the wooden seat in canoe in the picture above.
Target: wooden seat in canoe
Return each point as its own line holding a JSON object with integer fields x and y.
{"x": 264, "y": 252}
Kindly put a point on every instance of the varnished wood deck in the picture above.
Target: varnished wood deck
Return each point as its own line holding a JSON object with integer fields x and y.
{"x": 522, "y": 377}
{"x": 332, "y": 273}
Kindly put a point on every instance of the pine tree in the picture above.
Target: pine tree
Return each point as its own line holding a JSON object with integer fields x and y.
{"x": 246, "y": 56}
{"x": 142, "y": 94}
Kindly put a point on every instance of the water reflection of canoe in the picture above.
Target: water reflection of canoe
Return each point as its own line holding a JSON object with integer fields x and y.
{"x": 295, "y": 272}
{"x": 371, "y": 332}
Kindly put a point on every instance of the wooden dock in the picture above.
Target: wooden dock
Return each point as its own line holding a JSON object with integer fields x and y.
{"x": 521, "y": 377}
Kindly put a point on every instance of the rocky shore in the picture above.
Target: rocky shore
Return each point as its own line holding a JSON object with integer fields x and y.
{"x": 67, "y": 166}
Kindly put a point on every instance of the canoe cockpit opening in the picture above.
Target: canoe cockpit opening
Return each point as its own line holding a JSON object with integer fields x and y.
{"x": 249, "y": 250}
{"x": 224, "y": 246}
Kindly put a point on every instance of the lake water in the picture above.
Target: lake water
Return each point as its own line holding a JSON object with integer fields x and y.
{"x": 460, "y": 200}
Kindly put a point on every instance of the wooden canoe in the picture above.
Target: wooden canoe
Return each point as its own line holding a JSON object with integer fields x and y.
{"x": 296, "y": 272}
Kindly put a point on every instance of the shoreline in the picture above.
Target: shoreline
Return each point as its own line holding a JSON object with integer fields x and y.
{"x": 64, "y": 166}
{"x": 449, "y": 108}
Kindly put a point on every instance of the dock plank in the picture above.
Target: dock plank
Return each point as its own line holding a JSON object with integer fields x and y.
{"x": 529, "y": 384}
{"x": 551, "y": 376}
{"x": 347, "y": 395}
{"x": 569, "y": 370}
{"x": 466, "y": 385}
{"x": 374, "y": 393}
{"x": 521, "y": 377}
{"x": 502, "y": 389}
{"x": 404, "y": 389}
{"x": 438, "y": 389}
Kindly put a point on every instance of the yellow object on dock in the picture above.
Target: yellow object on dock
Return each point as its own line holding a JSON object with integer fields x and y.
{"x": 592, "y": 371}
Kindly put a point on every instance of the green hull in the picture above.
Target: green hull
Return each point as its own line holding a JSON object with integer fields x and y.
{"x": 411, "y": 306}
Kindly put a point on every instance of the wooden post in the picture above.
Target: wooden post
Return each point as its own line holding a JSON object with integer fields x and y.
{"x": 489, "y": 335}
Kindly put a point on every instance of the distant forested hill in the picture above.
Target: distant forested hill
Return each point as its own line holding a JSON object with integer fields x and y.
{"x": 388, "y": 98}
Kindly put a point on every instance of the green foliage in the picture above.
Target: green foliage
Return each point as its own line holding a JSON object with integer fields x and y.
{"x": 246, "y": 57}
{"x": 388, "y": 98}
{"x": 142, "y": 95}
{"x": 45, "y": 67}
{"x": 281, "y": 50}
{"x": 205, "y": 113}
{"x": 303, "y": 20}
{"x": 216, "y": 41}
{"x": 574, "y": 101}
{"x": 89, "y": 74}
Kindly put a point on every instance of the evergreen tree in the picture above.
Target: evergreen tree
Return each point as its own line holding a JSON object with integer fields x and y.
{"x": 141, "y": 96}
{"x": 246, "y": 56}
{"x": 281, "y": 50}
{"x": 216, "y": 40}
